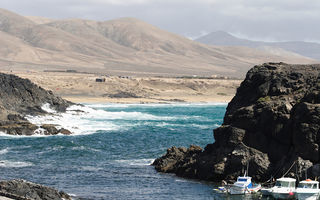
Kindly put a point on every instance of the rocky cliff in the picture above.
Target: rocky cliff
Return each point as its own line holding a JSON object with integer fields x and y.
{"x": 272, "y": 123}
{"x": 20, "y": 97}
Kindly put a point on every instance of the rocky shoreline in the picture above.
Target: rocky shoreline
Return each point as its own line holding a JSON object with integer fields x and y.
{"x": 20, "y": 97}
{"x": 24, "y": 190}
{"x": 272, "y": 123}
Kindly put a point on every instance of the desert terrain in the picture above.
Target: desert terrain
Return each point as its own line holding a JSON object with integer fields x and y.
{"x": 83, "y": 88}
{"x": 124, "y": 46}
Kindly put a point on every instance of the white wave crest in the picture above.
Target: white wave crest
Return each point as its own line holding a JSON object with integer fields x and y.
{"x": 136, "y": 162}
{"x": 46, "y": 107}
{"x": 85, "y": 148}
{"x": 91, "y": 168}
{"x": 82, "y": 120}
{"x": 77, "y": 119}
{"x": 14, "y": 164}
{"x": 4, "y": 151}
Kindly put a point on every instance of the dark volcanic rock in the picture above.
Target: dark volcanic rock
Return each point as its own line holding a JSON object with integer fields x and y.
{"x": 49, "y": 129}
{"x": 23, "y": 96}
{"x": 272, "y": 123}
{"x": 20, "y": 189}
{"x": 18, "y": 128}
{"x": 64, "y": 131}
{"x": 20, "y": 97}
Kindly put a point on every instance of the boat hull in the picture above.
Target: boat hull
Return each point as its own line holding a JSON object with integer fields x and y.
{"x": 236, "y": 190}
{"x": 280, "y": 195}
{"x": 266, "y": 191}
{"x": 308, "y": 196}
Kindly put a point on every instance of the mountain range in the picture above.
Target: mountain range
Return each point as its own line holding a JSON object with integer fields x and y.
{"x": 122, "y": 46}
{"x": 222, "y": 38}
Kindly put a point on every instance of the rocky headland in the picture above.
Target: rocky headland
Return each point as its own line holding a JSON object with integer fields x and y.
{"x": 20, "y": 97}
{"x": 272, "y": 123}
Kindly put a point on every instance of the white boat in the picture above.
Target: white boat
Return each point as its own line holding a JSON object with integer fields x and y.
{"x": 284, "y": 188}
{"x": 244, "y": 186}
{"x": 266, "y": 191}
{"x": 308, "y": 189}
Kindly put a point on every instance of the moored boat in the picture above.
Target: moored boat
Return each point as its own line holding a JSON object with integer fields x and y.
{"x": 244, "y": 186}
{"x": 266, "y": 191}
{"x": 308, "y": 190}
{"x": 284, "y": 188}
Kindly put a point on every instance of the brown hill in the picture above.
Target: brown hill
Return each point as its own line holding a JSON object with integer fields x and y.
{"x": 122, "y": 46}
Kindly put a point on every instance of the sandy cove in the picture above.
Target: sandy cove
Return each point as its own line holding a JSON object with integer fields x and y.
{"x": 83, "y": 88}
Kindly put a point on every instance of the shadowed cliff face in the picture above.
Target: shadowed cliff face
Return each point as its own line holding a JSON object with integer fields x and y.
{"x": 20, "y": 97}
{"x": 271, "y": 123}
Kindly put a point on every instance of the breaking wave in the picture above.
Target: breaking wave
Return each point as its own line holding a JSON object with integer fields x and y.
{"x": 14, "y": 164}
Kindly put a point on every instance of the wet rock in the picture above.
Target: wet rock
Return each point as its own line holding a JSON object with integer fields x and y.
{"x": 64, "y": 131}
{"x": 18, "y": 128}
{"x": 21, "y": 189}
{"x": 50, "y": 129}
{"x": 20, "y": 97}
{"x": 271, "y": 124}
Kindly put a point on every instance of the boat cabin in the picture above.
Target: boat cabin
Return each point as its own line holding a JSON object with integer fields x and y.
{"x": 286, "y": 182}
{"x": 310, "y": 184}
{"x": 243, "y": 181}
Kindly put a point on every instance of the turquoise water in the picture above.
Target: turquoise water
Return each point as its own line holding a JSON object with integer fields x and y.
{"x": 110, "y": 155}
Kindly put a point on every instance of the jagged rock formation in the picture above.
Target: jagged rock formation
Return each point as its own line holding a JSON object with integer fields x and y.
{"x": 272, "y": 123}
{"x": 20, "y": 97}
{"x": 24, "y": 190}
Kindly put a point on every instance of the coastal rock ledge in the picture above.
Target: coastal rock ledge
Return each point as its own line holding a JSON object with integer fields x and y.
{"x": 272, "y": 123}
{"x": 20, "y": 97}
{"x": 24, "y": 190}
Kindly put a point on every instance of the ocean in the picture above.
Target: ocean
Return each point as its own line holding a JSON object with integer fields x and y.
{"x": 109, "y": 155}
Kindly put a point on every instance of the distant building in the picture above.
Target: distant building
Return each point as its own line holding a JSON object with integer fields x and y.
{"x": 100, "y": 80}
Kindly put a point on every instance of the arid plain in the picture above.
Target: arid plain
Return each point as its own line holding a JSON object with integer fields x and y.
{"x": 83, "y": 88}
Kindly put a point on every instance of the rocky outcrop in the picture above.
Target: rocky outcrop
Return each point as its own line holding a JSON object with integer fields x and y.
{"x": 20, "y": 97}
{"x": 23, "y": 190}
{"x": 272, "y": 124}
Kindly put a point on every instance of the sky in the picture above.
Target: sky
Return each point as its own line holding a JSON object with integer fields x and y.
{"x": 267, "y": 20}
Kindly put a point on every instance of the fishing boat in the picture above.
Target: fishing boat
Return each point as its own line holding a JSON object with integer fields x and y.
{"x": 308, "y": 189}
{"x": 284, "y": 188}
{"x": 244, "y": 186}
{"x": 266, "y": 191}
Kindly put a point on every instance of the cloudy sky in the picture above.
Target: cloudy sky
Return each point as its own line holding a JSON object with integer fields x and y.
{"x": 270, "y": 20}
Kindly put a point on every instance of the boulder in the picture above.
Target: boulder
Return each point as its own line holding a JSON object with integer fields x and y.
{"x": 64, "y": 131}
{"x": 50, "y": 129}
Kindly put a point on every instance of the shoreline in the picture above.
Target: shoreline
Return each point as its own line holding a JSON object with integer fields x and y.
{"x": 101, "y": 100}
{"x": 80, "y": 88}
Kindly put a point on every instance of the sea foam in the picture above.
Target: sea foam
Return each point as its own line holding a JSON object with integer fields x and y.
{"x": 4, "y": 151}
{"x": 81, "y": 120}
{"x": 136, "y": 162}
{"x": 14, "y": 164}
